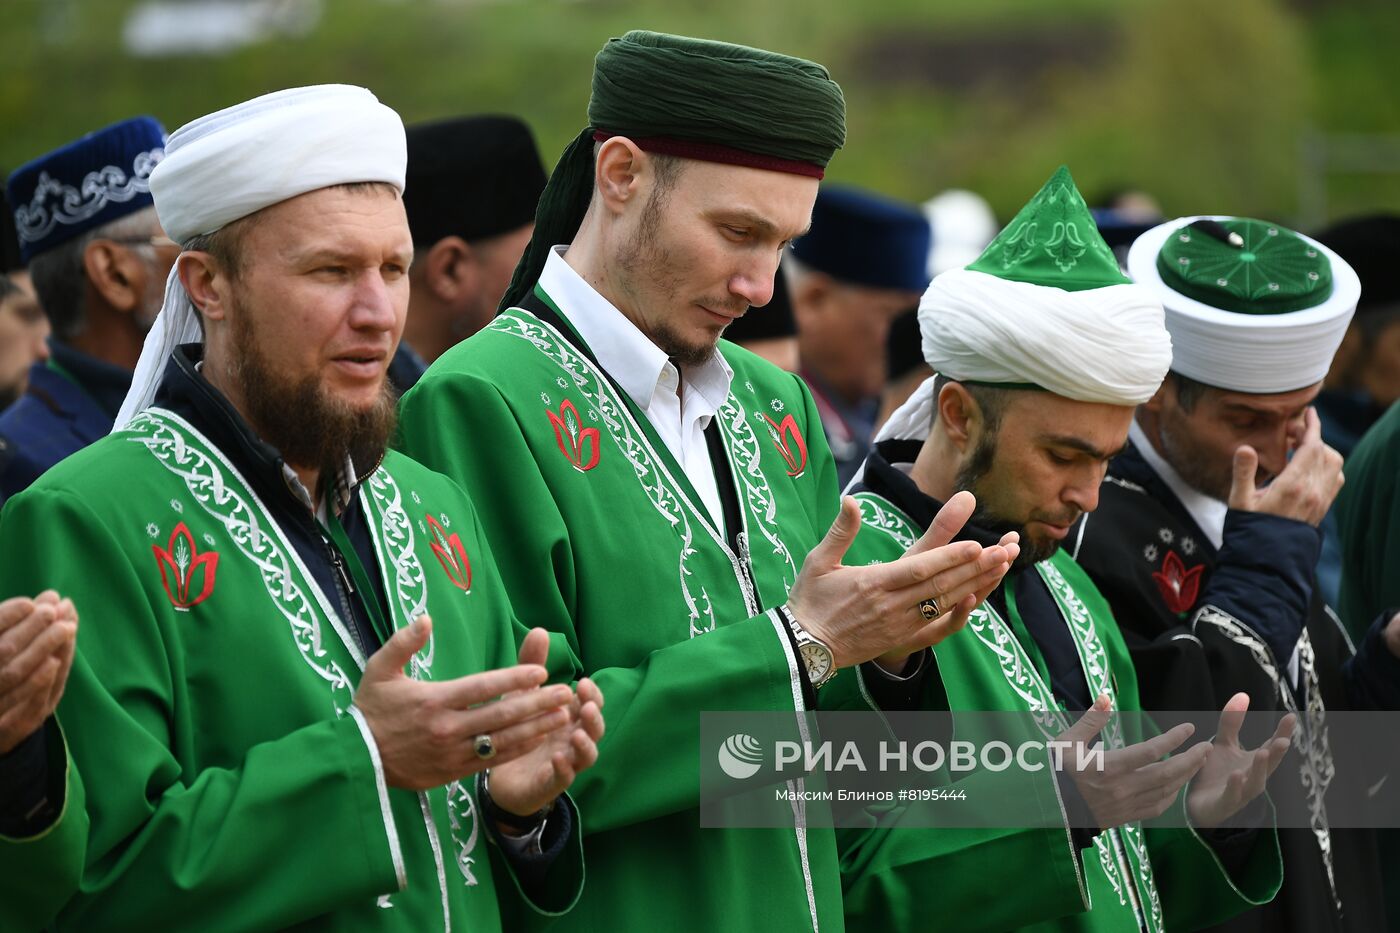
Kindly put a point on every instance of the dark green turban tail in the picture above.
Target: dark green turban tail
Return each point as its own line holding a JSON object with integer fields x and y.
{"x": 689, "y": 97}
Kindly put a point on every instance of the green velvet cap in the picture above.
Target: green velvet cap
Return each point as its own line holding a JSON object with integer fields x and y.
{"x": 692, "y": 98}
{"x": 1053, "y": 241}
{"x": 1274, "y": 271}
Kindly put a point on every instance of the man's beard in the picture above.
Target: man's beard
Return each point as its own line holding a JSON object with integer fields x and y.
{"x": 309, "y": 426}
{"x": 1033, "y": 551}
{"x": 1194, "y": 465}
{"x": 648, "y": 258}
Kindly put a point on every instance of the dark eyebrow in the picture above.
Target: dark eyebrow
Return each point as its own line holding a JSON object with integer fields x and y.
{"x": 755, "y": 219}
{"x": 1081, "y": 445}
{"x": 1246, "y": 408}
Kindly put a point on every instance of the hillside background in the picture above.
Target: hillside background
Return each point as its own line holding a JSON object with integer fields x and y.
{"x": 1283, "y": 109}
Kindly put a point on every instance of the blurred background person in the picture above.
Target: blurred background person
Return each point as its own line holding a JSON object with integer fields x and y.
{"x": 961, "y": 224}
{"x": 473, "y": 183}
{"x": 1365, "y": 376}
{"x": 1364, "y": 379}
{"x": 23, "y": 327}
{"x": 98, "y": 260}
{"x": 770, "y": 330}
{"x": 864, "y": 260}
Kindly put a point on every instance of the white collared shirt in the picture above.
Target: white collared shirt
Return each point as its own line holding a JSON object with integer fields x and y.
{"x": 1208, "y": 511}
{"x": 679, "y": 403}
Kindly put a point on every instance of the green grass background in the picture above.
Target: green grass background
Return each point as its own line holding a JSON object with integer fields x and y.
{"x": 1204, "y": 103}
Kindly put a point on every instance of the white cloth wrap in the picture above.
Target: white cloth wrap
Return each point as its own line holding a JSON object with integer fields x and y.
{"x": 1255, "y": 353}
{"x": 227, "y": 165}
{"x": 1097, "y": 345}
{"x": 1105, "y": 345}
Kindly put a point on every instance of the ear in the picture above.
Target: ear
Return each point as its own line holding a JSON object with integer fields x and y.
{"x": 117, "y": 273}
{"x": 618, "y": 173}
{"x": 206, "y": 284}
{"x": 959, "y": 415}
{"x": 449, "y": 269}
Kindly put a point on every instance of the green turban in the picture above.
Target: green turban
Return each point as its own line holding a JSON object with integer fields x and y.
{"x": 695, "y": 99}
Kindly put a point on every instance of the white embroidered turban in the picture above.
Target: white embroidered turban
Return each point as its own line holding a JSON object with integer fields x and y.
{"x": 227, "y": 165}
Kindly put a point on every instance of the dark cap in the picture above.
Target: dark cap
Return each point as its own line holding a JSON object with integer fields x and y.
{"x": 472, "y": 177}
{"x": 1371, "y": 246}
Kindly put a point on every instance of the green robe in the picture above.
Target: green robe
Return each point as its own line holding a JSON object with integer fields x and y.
{"x": 1131, "y": 878}
{"x": 1368, "y": 522}
{"x": 601, "y": 539}
{"x": 39, "y": 874}
{"x": 230, "y": 783}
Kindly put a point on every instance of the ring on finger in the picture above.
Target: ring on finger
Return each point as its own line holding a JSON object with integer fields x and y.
{"x": 929, "y": 608}
{"x": 483, "y": 746}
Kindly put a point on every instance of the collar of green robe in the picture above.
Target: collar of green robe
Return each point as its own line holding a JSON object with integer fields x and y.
{"x": 696, "y": 99}
{"x": 1053, "y": 241}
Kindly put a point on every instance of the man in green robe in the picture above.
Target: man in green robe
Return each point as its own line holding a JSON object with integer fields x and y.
{"x": 652, "y": 491}
{"x": 272, "y": 730}
{"x": 43, "y": 824}
{"x": 1042, "y": 348}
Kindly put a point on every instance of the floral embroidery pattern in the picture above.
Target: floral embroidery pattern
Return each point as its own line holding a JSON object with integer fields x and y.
{"x": 787, "y": 437}
{"x": 1179, "y": 586}
{"x": 573, "y": 439}
{"x": 180, "y": 562}
{"x": 449, "y": 552}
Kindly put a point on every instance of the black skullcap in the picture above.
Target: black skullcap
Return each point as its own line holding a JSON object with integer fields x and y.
{"x": 1371, "y": 246}
{"x": 769, "y": 322}
{"x": 9, "y": 240}
{"x": 471, "y": 177}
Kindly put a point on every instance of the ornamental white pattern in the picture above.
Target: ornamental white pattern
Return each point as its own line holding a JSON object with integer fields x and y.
{"x": 381, "y": 498}
{"x": 252, "y": 531}
{"x": 743, "y": 444}
{"x": 1318, "y": 767}
{"x": 651, "y": 476}
{"x": 57, "y": 203}
{"x": 879, "y": 514}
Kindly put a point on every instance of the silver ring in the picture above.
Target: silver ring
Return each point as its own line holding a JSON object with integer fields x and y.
{"x": 928, "y": 608}
{"x": 484, "y": 747}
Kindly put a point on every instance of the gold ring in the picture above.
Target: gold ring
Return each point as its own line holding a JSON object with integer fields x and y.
{"x": 483, "y": 746}
{"x": 928, "y": 608}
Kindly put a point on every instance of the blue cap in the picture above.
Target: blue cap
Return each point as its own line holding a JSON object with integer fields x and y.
{"x": 85, "y": 184}
{"x": 865, "y": 239}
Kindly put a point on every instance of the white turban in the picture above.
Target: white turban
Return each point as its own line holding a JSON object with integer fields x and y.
{"x": 1261, "y": 353}
{"x": 235, "y": 162}
{"x": 1095, "y": 345}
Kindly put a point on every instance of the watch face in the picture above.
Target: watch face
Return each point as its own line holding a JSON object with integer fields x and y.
{"x": 818, "y": 661}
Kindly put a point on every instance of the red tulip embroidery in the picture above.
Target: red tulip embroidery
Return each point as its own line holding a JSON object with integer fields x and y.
{"x": 572, "y": 440}
{"x": 449, "y": 552}
{"x": 180, "y": 562}
{"x": 1179, "y": 586}
{"x": 788, "y": 439}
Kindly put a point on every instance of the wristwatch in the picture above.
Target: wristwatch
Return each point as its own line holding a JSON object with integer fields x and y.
{"x": 816, "y": 656}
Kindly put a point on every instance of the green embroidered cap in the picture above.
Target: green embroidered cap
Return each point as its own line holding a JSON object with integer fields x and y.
{"x": 1274, "y": 271}
{"x": 1053, "y": 241}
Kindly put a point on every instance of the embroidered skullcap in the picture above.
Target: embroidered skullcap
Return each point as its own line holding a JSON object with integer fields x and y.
{"x": 1045, "y": 306}
{"x": 1251, "y": 305}
{"x": 471, "y": 177}
{"x": 695, "y": 99}
{"x": 84, "y": 185}
{"x": 233, "y": 163}
{"x": 865, "y": 239}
